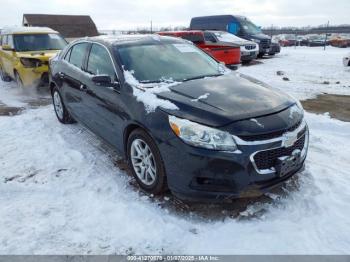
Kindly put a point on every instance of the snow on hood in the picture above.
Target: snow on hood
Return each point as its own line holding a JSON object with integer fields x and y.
{"x": 146, "y": 93}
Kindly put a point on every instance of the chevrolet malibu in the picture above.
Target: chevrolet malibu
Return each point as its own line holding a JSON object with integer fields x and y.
{"x": 183, "y": 121}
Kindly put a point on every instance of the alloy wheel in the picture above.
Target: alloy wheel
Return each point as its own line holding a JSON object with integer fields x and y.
{"x": 58, "y": 105}
{"x": 143, "y": 162}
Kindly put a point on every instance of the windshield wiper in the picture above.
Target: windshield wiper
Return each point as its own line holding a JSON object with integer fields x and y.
{"x": 201, "y": 76}
{"x": 150, "y": 81}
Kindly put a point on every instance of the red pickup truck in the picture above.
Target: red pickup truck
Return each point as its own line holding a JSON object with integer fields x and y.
{"x": 229, "y": 54}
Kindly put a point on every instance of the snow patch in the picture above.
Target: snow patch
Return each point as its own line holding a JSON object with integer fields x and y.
{"x": 147, "y": 93}
{"x": 202, "y": 97}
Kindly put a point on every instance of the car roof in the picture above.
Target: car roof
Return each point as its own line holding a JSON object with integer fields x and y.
{"x": 117, "y": 40}
{"x": 27, "y": 30}
{"x": 189, "y": 32}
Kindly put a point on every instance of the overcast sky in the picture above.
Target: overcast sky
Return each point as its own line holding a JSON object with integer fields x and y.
{"x": 130, "y": 14}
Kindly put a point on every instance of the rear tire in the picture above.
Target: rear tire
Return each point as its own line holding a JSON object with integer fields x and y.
{"x": 4, "y": 77}
{"x": 61, "y": 112}
{"x": 146, "y": 162}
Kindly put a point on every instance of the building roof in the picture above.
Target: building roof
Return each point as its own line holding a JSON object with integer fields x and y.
{"x": 69, "y": 26}
{"x": 27, "y": 30}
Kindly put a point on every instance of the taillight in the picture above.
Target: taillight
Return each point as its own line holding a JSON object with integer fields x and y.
{"x": 31, "y": 62}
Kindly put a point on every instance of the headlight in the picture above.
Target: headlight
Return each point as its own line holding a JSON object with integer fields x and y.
{"x": 30, "y": 62}
{"x": 202, "y": 136}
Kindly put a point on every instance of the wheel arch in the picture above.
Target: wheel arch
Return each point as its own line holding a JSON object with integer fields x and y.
{"x": 52, "y": 85}
{"x": 129, "y": 129}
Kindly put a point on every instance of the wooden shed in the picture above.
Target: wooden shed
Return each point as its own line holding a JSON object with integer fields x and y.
{"x": 69, "y": 26}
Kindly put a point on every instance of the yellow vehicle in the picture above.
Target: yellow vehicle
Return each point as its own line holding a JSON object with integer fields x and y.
{"x": 25, "y": 54}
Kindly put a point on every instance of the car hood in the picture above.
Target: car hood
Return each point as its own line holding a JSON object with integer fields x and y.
{"x": 261, "y": 36}
{"x": 241, "y": 42}
{"x": 218, "y": 101}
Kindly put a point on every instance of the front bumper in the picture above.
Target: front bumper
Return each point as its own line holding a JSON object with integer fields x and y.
{"x": 34, "y": 76}
{"x": 204, "y": 175}
{"x": 248, "y": 55}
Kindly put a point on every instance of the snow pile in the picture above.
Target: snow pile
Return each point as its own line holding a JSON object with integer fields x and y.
{"x": 147, "y": 93}
{"x": 61, "y": 193}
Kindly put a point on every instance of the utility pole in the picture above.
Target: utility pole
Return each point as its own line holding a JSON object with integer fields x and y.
{"x": 151, "y": 27}
{"x": 271, "y": 31}
{"x": 325, "y": 40}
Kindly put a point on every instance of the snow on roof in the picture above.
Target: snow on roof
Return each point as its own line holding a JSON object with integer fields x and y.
{"x": 26, "y": 30}
{"x": 127, "y": 38}
{"x": 119, "y": 38}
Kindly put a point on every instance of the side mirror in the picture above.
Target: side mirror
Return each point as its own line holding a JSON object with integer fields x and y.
{"x": 105, "y": 80}
{"x": 7, "y": 48}
{"x": 101, "y": 79}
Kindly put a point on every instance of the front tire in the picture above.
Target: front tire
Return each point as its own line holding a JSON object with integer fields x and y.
{"x": 146, "y": 163}
{"x": 61, "y": 112}
{"x": 18, "y": 80}
{"x": 4, "y": 77}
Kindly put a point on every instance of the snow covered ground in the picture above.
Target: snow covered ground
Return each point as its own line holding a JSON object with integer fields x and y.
{"x": 61, "y": 192}
{"x": 311, "y": 71}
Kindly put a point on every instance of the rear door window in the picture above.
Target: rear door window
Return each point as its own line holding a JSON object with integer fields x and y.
{"x": 100, "y": 62}
{"x": 209, "y": 37}
{"x": 67, "y": 56}
{"x": 77, "y": 55}
{"x": 195, "y": 38}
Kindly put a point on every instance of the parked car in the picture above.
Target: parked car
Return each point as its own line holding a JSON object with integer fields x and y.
{"x": 289, "y": 40}
{"x": 346, "y": 60}
{"x": 317, "y": 40}
{"x": 227, "y": 53}
{"x": 213, "y": 135}
{"x": 275, "y": 48}
{"x": 234, "y": 24}
{"x": 25, "y": 52}
{"x": 303, "y": 41}
{"x": 340, "y": 42}
{"x": 249, "y": 49}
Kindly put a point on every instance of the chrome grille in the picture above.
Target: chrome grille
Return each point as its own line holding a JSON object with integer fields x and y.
{"x": 267, "y": 159}
{"x": 250, "y": 47}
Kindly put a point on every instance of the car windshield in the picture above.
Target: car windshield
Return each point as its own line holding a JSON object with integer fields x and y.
{"x": 227, "y": 37}
{"x": 38, "y": 42}
{"x": 167, "y": 62}
{"x": 249, "y": 27}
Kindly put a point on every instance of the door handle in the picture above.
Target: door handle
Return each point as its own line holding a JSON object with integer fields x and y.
{"x": 61, "y": 75}
{"x": 83, "y": 88}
